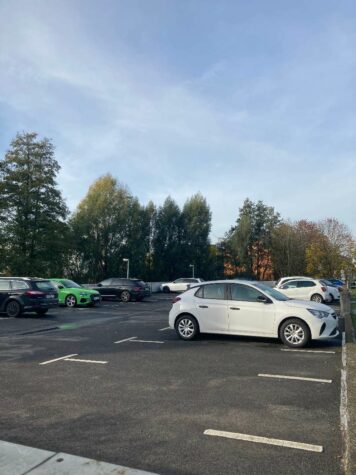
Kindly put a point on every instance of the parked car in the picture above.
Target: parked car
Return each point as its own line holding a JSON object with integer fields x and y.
{"x": 306, "y": 289}
{"x": 20, "y": 295}
{"x": 180, "y": 285}
{"x": 71, "y": 294}
{"x": 332, "y": 289}
{"x": 250, "y": 308}
{"x": 336, "y": 282}
{"x": 283, "y": 280}
{"x": 123, "y": 289}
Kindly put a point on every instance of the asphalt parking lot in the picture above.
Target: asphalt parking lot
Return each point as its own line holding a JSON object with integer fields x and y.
{"x": 124, "y": 389}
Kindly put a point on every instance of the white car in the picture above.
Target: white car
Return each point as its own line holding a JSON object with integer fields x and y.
{"x": 238, "y": 307}
{"x": 333, "y": 291}
{"x": 306, "y": 289}
{"x": 180, "y": 285}
{"x": 283, "y": 280}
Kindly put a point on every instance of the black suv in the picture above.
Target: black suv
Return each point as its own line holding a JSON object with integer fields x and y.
{"x": 24, "y": 294}
{"x": 124, "y": 289}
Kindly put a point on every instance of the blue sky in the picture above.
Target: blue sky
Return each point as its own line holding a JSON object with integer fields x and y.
{"x": 234, "y": 99}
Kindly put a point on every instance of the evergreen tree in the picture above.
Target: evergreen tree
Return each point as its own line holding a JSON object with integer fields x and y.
{"x": 32, "y": 209}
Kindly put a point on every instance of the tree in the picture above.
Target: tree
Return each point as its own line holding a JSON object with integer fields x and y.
{"x": 105, "y": 229}
{"x": 196, "y": 224}
{"x": 33, "y": 211}
{"x": 250, "y": 241}
{"x": 167, "y": 242}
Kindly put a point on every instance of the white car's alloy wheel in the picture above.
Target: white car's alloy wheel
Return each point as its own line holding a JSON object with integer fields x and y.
{"x": 187, "y": 327}
{"x": 294, "y": 333}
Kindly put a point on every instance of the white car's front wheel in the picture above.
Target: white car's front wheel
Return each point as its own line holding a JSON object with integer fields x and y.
{"x": 187, "y": 327}
{"x": 294, "y": 333}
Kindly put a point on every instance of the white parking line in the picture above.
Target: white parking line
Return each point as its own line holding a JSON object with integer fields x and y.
{"x": 57, "y": 359}
{"x": 311, "y": 351}
{"x": 299, "y": 378}
{"x": 85, "y": 361}
{"x": 145, "y": 341}
{"x": 165, "y": 328}
{"x": 126, "y": 339}
{"x": 265, "y": 440}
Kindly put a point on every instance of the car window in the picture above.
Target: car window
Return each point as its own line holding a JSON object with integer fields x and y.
{"x": 43, "y": 285}
{"x": 290, "y": 285}
{"x": 70, "y": 284}
{"x": 106, "y": 282}
{"x": 4, "y": 285}
{"x": 214, "y": 291}
{"x": 118, "y": 281}
{"x": 200, "y": 292}
{"x": 306, "y": 283}
{"x": 178, "y": 281}
{"x": 19, "y": 285}
{"x": 244, "y": 293}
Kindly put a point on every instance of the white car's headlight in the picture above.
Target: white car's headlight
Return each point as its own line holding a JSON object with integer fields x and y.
{"x": 318, "y": 313}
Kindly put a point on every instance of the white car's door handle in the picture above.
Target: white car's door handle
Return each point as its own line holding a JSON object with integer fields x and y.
{"x": 203, "y": 306}
{"x": 234, "y": 308}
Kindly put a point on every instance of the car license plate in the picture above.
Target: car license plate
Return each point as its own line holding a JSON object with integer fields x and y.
{"x": 50, "y": 296}
{"x": 96, "y": 298}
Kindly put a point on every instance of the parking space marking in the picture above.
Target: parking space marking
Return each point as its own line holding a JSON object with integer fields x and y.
{"x": 85, "y": 361}
{"x": 310, "y": 351}
{"x": 265, "y": 440}
{"x": 165, "y": 328}
{"x": 146, "y": 341}
{"x": 58, "y": 359}
{"x": 299, "y": 378}
{"x": 126, "y": 339}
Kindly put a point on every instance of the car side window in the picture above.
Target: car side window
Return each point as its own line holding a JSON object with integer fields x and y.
{"x": 178, "y": 281}
{"x": 214, "y": 291}
{"x": 4, "y": 285}
{"x": 306, "y": 283}
{"x": 290, "y": 285}
{"x": 19, "y": 285}
{"x": 244, "y": 293}
{"x": 118, "y": 281}
{"x": 200, "y": 292}
{"x": 106, "y": 282}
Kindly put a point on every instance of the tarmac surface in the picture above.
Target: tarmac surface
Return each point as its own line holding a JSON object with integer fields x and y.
{"x": 125, "y": 390}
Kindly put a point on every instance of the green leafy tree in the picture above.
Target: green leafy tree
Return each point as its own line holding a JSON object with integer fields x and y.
{"x": 250, "y": 241}
{"x": 167, "y": 242}
{"x": 107, "y": 227}
{"x": 196, "y": 226}
{"x": 32, "y": 209}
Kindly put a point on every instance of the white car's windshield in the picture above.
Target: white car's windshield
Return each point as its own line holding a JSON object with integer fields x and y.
{"x": 271, "y": 292}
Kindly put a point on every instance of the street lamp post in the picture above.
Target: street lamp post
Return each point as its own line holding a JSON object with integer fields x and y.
{"x": 192, "y": 266}
{"x": 127, "y": 267}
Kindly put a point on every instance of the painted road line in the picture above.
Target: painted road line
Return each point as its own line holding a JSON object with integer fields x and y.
{"x": 165, "y": 328}
{"x": 146, "y": 341}
{"x": 344, "y": 413}
{"x": 85, "y": 361}
{"x": 126, "y": 339}
{"x": 265, "y": 440}
{"x": 310, "y": 351}
{"x": 298, "y": 378}
{"x": 58, "y": 359}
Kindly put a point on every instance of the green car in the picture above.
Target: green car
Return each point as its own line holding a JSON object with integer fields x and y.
{"x": 72, "y": 294}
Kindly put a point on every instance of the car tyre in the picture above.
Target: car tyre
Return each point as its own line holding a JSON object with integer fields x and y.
{"x": 166, "y": 289}
{"x": 294, "y": 333}
{"x": 13, "y": 309}
{"x": 317, "y": 298}
{"x": 331, "y": 298}
{"x": 42, "y": 311}
{"x": 70, "y": 301}
{"x": 125, "y": 296}
{"x": 187, "y": 327}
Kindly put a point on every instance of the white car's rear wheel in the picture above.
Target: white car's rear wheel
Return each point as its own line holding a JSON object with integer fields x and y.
{"x": 294, "y": 333}
{"x": 317, "y": 298}
{"x": 166, "y": 289}
{"x": 187, "y": 327}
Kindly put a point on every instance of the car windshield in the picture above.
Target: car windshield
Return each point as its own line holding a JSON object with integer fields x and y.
{"x": 44, "y": 285}
{"x": 69, "y": 284}
{"x": 271, "y": 292}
